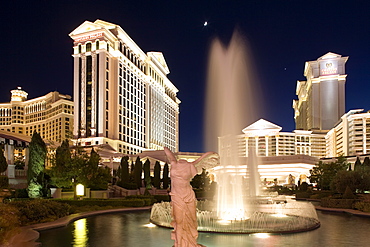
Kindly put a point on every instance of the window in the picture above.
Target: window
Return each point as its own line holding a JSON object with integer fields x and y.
{"x": 97, "y": 44}
{"x": 88, "y": 47}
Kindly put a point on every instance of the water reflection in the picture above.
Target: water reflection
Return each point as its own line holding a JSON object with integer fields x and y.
{"x": 129, "y": 230}
{"x": 80, "y": 233}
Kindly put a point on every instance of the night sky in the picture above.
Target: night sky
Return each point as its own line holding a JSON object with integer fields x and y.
{"x": 36, "y": 49}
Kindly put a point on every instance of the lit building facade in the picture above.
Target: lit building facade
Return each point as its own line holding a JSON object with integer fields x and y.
{"x": 122, "y": 95}
{"x": 267, "y": 140}
{"x": 50, "y": 115}
{"x": 321, "y": 98}
{"x": 350, "y": 136}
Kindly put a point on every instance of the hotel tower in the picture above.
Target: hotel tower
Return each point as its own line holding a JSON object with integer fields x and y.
{"x": 321, "y": 98}
{"x": 122, "y": 96}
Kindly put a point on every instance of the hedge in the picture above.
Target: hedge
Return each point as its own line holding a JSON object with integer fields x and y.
{"x": 9, "y": 221}
{"x": 4, "y": 181}
{"x": 39, "y": 210}
{"x": 105, "y": 202}
{"x": 162, "y": 198}
{"x": 362, "y": 206}
{"x": 337, "y": 203}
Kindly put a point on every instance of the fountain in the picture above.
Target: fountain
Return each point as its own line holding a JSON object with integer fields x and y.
{"x": 239, "y": 206}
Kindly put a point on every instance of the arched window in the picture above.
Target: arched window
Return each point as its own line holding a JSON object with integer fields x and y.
{"x": 97, "y": 44}
{"x": 79, "y": 48}
{"x": 88, "y": 47}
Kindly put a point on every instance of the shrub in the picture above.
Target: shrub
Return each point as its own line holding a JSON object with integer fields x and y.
{"x": 149, "y": 200}
{"x": 322, "y": 194}
{"x": 128, "y": 202}
{"x": 4, "y": 182}
{"x": 127, "y": 186}
{"x": 40, "y": 210}
{"x": 9, "y": 220}
{"x": 19, "y": 193}
{"x": 348, "y": 194}
{"x": 303, "y": 194}
{"x": 337, "y": 203}
{"x": 162, "y": 198}
{"x": 362, "y": 206}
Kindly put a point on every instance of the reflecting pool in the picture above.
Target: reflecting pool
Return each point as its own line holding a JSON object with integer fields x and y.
{"x": 132, "y": 229}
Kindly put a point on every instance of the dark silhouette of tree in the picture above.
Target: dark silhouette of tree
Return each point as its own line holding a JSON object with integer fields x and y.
{"x": 124, "y": 174}
{"x": 3, "y": 163}
{"x": 366, "y": 164}
{"x": 138, "y": 169}
{"x": 157, "y": 173}
{"x": 132, "y": 169}
{"x": 147, "y": 179}
{"x": 36, "y": 166}
{"x": 4, "y": 180}
{"x": 166, "y": 178}
{"x": 358, "y": 165}
{"x": 201, "y": 181}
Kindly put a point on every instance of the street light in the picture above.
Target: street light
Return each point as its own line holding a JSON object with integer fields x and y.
{"x": 80, "y": 190}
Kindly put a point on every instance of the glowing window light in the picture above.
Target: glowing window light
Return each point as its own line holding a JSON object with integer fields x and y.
{"x": 80, "y": 190}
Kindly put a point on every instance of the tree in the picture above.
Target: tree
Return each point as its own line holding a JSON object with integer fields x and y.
{"x": 157, "y": 173}
{"x": 93, "y": 175}
{"x": 73, "y": 167}
{"x": 147, "y": 179}
{"x": 138, "y": 169}
{"x": 366, "y": 164}
{"x": 166, "y": 179}
{"x": 201, "y": 181}
{"x": 323, "y": 173}
{"x": 124, "y": 174}
{"x": 62, "y": 169}
{"x": 63, "y": 155}
{"x": 4, "y": 180}
{"x": 357, "y": 165}
{"x": 3, "y": 163}
{"x": 358, "y": 181}
{"x": 36, "y": 166}
{"x": 132, "y": 169}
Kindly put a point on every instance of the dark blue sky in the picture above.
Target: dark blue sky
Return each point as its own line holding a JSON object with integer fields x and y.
{"x": 36, "y": 49}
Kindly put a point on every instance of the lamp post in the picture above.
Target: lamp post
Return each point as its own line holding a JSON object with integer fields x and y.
{"x": 80, "y": 190}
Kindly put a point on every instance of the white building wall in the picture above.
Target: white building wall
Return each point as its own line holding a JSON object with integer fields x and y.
{"x": 128, "y": 91}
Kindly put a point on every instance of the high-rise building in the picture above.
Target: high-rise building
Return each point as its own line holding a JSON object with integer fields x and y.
{"x": 321, "y": 98}
{"x": 350, "y": 136}
{"x": 50, "y": 115}
{"x": 122, "y": 95}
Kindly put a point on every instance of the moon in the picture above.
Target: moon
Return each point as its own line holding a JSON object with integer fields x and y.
{"x": 205, "y": 24}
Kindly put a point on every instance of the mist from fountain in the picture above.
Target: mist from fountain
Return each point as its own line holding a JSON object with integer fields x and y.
{"x": 230, "y": 105}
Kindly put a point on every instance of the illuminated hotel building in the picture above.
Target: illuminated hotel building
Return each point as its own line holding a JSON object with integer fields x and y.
{"x": 50, "y": 115}
{"x": 321, "y": 98}
{"x": 122, "y": 95}
{"x": 350, "y": 136}
{"x": 267, "y": 140}
{"x": 282, "y": 155}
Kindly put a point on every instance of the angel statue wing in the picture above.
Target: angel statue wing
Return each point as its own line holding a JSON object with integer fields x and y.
{"x": 207, "y": 161}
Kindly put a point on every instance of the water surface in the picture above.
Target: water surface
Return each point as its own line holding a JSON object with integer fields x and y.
{"x": 128, "y": 230}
